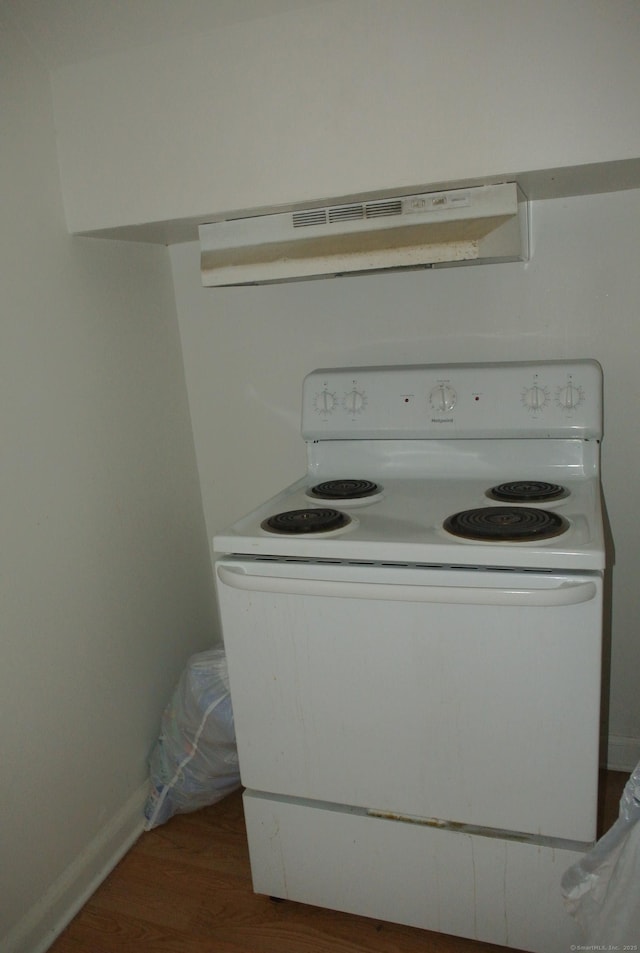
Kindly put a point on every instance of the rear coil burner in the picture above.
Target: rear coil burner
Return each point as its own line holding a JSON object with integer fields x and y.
{"x": 527, "y": 491}
{"x": 506, "y": 524}
{"x": 296, "y": 522}
{"x": 344, "y": 489}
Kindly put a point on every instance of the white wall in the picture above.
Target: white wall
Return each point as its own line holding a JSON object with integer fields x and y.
{"x": 344, "y": 97}
{"x": 247, "y": 350}
{"x": 104, "y": 569}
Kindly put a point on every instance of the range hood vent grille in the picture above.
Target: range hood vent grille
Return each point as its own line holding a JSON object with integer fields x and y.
{"x": 311, "y": 216}
{"x": 388, "y": 207}
{"x": 346, "y": 213}
{"x": 431, "y": 229}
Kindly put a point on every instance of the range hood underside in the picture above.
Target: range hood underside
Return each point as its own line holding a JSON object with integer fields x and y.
{"x": 254, "y": 251}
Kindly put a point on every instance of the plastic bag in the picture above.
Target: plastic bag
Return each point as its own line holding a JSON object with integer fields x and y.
{"x": 194, "y": 763}
{"x": 602, "y": 891}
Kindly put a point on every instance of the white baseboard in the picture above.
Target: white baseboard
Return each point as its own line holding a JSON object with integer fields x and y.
{"x": 623, "y": 754}
{"x": 40, "y": 926}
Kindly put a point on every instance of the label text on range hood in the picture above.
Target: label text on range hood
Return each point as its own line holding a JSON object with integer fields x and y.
{"x": 436, "y": 202}
{"x": 442, "y": 420}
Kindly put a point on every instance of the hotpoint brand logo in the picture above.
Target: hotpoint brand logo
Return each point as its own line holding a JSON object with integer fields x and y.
{"x": 442, "y": 420}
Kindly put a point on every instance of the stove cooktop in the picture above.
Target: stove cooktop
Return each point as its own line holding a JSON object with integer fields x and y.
{"x": 410, "y": 520}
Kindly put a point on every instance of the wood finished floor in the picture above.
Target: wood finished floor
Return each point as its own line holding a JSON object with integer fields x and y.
{"x": 186, "y": 888}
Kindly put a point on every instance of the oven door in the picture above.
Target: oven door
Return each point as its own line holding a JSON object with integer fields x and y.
{"x": 467, "y": 696}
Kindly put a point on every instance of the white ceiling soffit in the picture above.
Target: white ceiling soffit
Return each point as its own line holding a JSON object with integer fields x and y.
{"x": 473, "y": 225}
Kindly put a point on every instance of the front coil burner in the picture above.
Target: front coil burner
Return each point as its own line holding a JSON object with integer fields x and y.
{"x": 344, "y": 489}
{"x": 527, "y": 491}
{"x": 296, "y": 522}
{"x": 506, "y": 524}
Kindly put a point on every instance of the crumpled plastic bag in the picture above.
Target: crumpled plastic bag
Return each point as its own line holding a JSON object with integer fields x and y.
{"x": 194, "y": 762}
{"x": 602, "y": 890}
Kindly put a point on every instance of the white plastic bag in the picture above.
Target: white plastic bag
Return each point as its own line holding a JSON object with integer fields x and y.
{"x": 602, "y": 891}
{"x": 194, "y": 763}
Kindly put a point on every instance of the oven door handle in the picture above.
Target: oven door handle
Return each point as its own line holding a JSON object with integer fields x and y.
{"x": 566, "y": 594}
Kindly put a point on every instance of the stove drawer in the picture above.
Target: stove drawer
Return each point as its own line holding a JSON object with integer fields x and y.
{"x": 484, "y": 888}
{"x": 466, "y": 696}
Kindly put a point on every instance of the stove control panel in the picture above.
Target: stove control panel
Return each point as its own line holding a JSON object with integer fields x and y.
{"x": 440, "y": 401}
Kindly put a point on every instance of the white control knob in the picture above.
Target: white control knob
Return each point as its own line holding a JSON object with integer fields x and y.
{"x": 570, "y": 396}
{"x": 443, "y": 398}
{"x": 536, "y": 397}
{"x": 325, "y": 402}
{"x": 355, "y": 401}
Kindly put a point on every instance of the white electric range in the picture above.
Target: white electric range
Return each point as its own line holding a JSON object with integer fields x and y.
{"x": 413, "y": 631}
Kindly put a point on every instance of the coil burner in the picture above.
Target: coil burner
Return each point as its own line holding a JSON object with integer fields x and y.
{"x": 506, "y": 524}
{"x": 527, "y": 491}
{"x": 344, "y": 489}
{"x": 312, "y": 520}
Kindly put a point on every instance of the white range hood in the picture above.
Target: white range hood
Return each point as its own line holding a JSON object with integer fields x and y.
{"x": 431, "y": 229}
